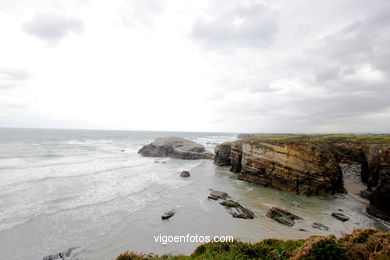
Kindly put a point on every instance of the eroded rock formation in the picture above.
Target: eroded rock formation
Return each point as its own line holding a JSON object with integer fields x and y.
{"x": 175, "y": 147}
{"x": 303, "y": 168}
{"x": 310, "y": 165}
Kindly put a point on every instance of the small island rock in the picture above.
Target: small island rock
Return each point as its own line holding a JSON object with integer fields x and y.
{"x": 175, "y": 147}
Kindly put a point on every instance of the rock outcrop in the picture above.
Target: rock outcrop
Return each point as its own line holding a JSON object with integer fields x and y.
{"x": 302, "y": 168}
{"x": 340, "y": 216}
{"x": 185, "y": 174}
{"x": 168, "y": 214}
{"x": 175, "y": 147}
{"x": 62, "y": 255}
{"x": 234, "y": 207}
{"x": 310, "y": 164}
{"x": 282, "y": 216}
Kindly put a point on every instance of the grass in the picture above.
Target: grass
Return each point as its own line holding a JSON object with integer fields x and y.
{"x": 320, "y": 138}
{"x": 365, "y": 244}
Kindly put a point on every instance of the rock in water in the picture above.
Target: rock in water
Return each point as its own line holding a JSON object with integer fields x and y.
{"x": 216, "y": 195}
{"x": 319, "y": 226}
{"x": 282, "y": 216}
{"x": 229, "y": 203}
{"x": 241, "y": 212}
{"x": 61, "y": 255}
{"x": 168, "y": 214}
{"x": 340, "y": 216}
{"x": 184, "y": 174}
{"x": 175, "y": 147}
{"x": 365, "y": 194}
{"x": 237, "y": 210}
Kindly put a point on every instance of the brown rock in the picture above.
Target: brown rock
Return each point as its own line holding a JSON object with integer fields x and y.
{"x": 340, "y": 216}
{"x": 216, "y": 195}
{"x": 175, "y": 147}
{"x": 184, "y": 174}
{"x": 282, "y": 216}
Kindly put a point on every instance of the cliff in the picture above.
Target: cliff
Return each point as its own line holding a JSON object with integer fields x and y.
{"x": 310, "y": 164}
{"x": 303, "y": 168}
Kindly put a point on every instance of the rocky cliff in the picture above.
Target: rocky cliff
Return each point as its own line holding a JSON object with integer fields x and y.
{"x": 305, "y": 168}
{"x": 310, "y": 164}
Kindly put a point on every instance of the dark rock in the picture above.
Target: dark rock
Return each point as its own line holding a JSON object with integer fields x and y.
{"x": 222, "y": 154}
{"x": 282, "y": 216}
{"x": 365, "y": 194}
{"x": 175, "y": 147}
{"x": 380, "y": 197}
{"x": 229, "y": 203}
{"x": 304, "y": 230}
{"x": 374, "y": 211}
{"x": 319, "y": 226}
{"x": 216, "y": 195}
{"x": 340, "y": 216}
{"x": 184, "y": 174}
{"x": 241, "y": 212}
{"x": 237, "y": 210}
{"x": 168, "y": 214}
{"x": 60, "y": 255}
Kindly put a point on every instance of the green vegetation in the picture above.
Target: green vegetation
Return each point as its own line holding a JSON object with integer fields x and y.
{"x": 318, "y": 138}
{"x": 361, "y": 244}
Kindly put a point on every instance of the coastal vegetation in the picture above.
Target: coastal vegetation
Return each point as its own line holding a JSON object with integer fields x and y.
{"x": 361, "y": 244}
{"x": 319, "y": 138}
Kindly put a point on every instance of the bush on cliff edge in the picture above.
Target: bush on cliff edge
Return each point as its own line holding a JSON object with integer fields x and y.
{"x": 365, "y": 244}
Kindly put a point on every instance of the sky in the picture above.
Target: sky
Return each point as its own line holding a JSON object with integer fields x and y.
{"x": 176, "y": 65}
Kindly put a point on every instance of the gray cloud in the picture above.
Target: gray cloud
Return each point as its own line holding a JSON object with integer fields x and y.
{"x": 340, "y": 81}
{"x": 10, "y": 78}
{"x": 52, "y": 27}
{"x": 241, "y": 26}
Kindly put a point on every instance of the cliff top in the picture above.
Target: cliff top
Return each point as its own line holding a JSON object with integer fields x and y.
{"x": 314, "y": 138}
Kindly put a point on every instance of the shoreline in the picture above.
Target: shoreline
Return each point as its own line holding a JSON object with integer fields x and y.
{"x": 198, "y": 215}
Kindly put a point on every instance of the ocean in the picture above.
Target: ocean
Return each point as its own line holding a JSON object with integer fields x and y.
{"x": 90, "y": 190}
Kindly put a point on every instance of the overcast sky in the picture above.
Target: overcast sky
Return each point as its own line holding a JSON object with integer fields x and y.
{"x": 220, "y": 65}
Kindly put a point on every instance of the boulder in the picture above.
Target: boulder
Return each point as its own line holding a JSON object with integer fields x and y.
{"x": 340, "y": 216}
{"x": 60, "y": 255}
{"x": 175, "y": 147}
{"x": 282, "y": 216}
{"x": 241, "y": 212}
{"x": 168, "y": 214}
{"x": 319, "y": 226}
{"x": 229, "y": 203}
{"x": 237, "y": 210}
{"x": 184, "y": 174}
{"x": 216, "y": 195}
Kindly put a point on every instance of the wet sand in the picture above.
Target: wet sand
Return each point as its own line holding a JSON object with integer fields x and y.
{"x": 197, "y": 215}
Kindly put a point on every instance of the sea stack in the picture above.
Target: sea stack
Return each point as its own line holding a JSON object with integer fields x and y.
{"x": 175, "y": 147}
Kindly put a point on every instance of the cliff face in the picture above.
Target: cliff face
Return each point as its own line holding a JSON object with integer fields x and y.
{"x": 303, "y": 168}
{"x": 310, "y": 167}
